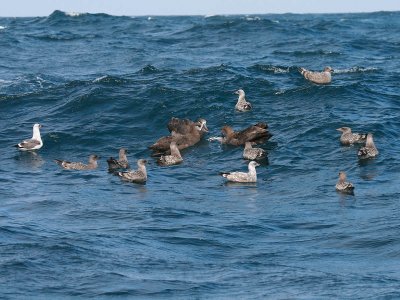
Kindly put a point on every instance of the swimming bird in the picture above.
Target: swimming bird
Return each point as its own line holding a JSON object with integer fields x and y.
{"x": 369, "y": 150}
{"x": 343, "y": 186}
{"x": 251, "y": 176}
{"x": 257, "y": 134}
{"x": 242, "y": 104}
{"x": 184, "y": 132}
{"x": 251, "y": 153}
{"x": 349, "y": 138}
{"x": 137, "y": 176}
{"x": 92, "y": 164}
{"x": 34, "y": 143}
{"x": 173, "y": 159}
{"x": 323, "y": 77}
{"x": 121, "y": 162}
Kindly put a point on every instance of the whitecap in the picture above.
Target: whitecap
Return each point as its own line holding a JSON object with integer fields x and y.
{"x": 73, "y": 14}
{"x": 2, "y": 27}
{"x": 149, "y": 18}
{"x": 100, "y": 78}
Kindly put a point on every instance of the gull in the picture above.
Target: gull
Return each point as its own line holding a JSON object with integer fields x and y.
{"x": 251, "y": 176}
{"x": 34, "y": 143}
{"x": 92, "y": 164}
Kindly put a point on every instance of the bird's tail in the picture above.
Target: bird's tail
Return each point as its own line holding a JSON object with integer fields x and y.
{"x": 16, "y": 146}
{"x": 302, "y": 71}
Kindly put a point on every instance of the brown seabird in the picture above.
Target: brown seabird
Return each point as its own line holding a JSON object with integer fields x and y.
{"x": 34, "y": 143}
{"x": 173, "y": 159}
{"x": 251, "y": 153}
{"x": 184, "y": 132}
{"x": 242, "y": 104}
{"x": 343, "y": 186}
{"x": 369, "y": 150}
{"x": 349, "y": 138}
{"x": 120, "y": 163}
{"x": 92, "y": 164}
{"x": 323, "y": 77}
{"x": 257, "y": 134}
{"x": 251, "y": 176}
{"x": 137, "y": 176}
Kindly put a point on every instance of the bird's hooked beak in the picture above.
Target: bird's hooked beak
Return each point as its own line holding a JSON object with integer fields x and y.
{"x": 204, "y": 127}
{"x": 339, "y": 129}
{"x": 236, "y": 92}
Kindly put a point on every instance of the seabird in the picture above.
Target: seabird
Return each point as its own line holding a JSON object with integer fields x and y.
{"x": 242, "y": 104}
{"x": 121, "y": 162}
{"x": 318, "y": 77}
{"x": 92, "y": 164}
{"x": 343, "y": 186}
{"x": 173, "y": 159}
{"x": 137, "y": 176}
{"x": 251, "y": 153}
{"x": 257, "y": 134}
{"x": 34, "y": 143}
{"x": 184, "y": 132}
{"x": 251, "y": 176}
{"x": 349, "y": 138}
{"x": 369, "y": 150}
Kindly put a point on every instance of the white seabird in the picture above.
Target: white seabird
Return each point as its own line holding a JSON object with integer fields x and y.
{"x": 251, "y": 176}
{"x": 92, "y": 164}
{"x": 349, "y": 138}
{"x": 251, "y": 153}
{"x": 343, "y": 186}
{"x": 137, "y": 176}
{"x": 242, "y": 104}
{"x": 323, "y": 77}
{"x": 34, "y": 143}
{"x": 369, "y": 150}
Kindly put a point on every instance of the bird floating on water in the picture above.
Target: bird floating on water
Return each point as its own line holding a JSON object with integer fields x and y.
{"x": 343, "y": 186}
{"x": 136, "y": 176}
{"x": 34, "y": 143}
{"x": 323, "y": 77}
{"x": 173, "y": 159}
{"x": 242, "y": 104}
{"x": 349, "y": 138}
{"x": 251, "y": 176}
{"x": 257, "y": 134}
{"x": 184, "y": 132}
{"x": 92, "y": 164}
{"x": 251, "y": 153}
{"x": 120, "y": 163}
{"x": 369, "y": 150}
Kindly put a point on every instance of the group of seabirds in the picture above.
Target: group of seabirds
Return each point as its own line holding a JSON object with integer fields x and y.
{"x": 185, "y": 133}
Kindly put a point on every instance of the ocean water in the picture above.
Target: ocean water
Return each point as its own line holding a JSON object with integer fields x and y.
{"x": 98, "y": 82}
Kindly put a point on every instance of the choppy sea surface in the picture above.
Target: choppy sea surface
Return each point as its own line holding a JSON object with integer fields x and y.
{"x": 98, "y": 82}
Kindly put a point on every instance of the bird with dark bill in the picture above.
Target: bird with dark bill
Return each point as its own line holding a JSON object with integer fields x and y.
{"x": 120, "y": 163}
{"x": 92, "y": 164}
{"x": 349, "y": 138}
{"x": 136, "y": 176}
{"x": 256, "y": 134}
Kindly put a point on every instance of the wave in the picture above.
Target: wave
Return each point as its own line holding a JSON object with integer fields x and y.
{"x": 316, "y": 52}
{"x": 3, "y": 27}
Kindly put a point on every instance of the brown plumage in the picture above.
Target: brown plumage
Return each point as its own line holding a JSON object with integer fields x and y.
{"x": 184, "y": 133}
{"x": 120, "y": 163}
{"x": 257, "y": 134}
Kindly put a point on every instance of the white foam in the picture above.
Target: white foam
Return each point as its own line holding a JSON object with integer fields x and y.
{"x": 73, "y": 14}
{"x": 2, "y": 27}
{"x": 100, "y": 78}
{"x": 354, "y": 70}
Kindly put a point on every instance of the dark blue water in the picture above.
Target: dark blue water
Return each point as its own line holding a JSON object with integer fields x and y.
{"x": 99, "y": 82}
